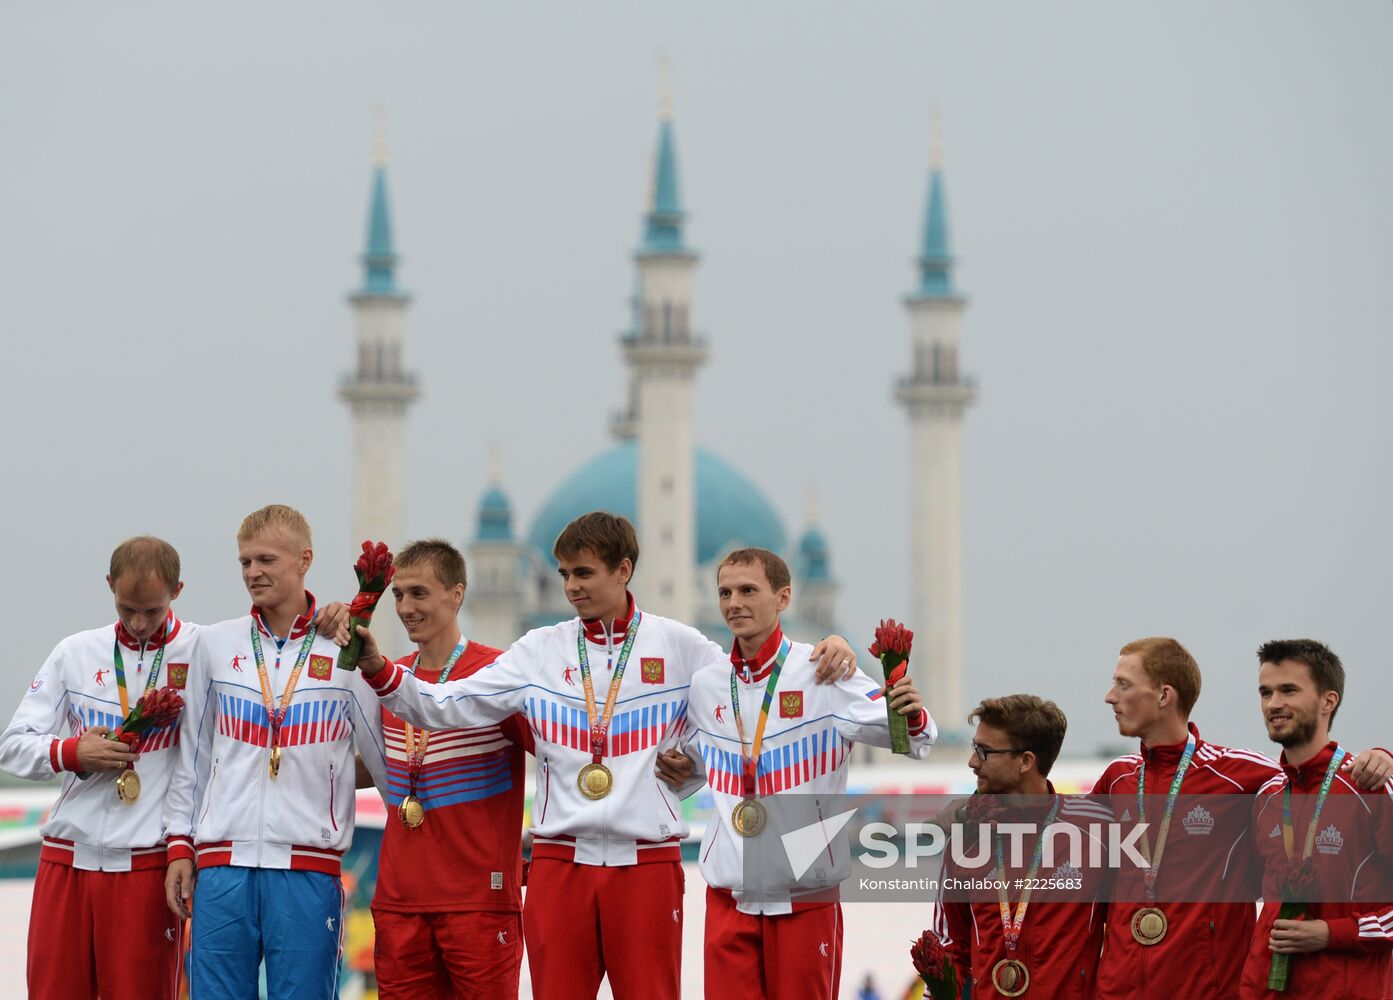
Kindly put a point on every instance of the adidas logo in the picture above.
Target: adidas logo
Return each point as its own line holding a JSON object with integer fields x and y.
{"x": 1126, "y": 816}
{"x": 1276, "y": 832}
{"x": 1330, "y": 841}
{"x": 1198, "y": 822}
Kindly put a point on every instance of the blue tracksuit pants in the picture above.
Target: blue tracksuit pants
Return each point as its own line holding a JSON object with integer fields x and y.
{"x": 292, "y": 919}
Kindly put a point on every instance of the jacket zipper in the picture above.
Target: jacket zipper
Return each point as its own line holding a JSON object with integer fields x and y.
{"x": 207, "y": 794}
{"x": 332, "y": 821}
{"x": 546, "y": 789}
{"x": 261, "y": 808}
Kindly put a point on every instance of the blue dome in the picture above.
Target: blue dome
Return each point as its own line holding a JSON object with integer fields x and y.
{"x": 730, "y": 510}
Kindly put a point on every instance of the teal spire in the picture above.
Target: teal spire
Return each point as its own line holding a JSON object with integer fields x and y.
{"x": 813, "y": 559}
{"x": 662, "y": 231}
{"x": 935, "y": 261}
{"x": 379, "y": 259}
{"x": 495, "y": 512}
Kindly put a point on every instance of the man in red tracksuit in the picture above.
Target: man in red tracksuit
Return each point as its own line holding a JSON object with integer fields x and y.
{"x": 1058, "y": 934}
{"x": 448, "y": 905}
{"x": 1339, "y": 949}
{"x": 1154, "y": 688}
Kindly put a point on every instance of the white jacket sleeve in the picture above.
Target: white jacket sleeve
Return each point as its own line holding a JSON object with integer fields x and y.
{"x": 861, "y": 716}
{"x": 31, "y": 746}
{"x": 192, "y": 773}
{"x": 368, "y": 738}
{"x": 484, "y": 697}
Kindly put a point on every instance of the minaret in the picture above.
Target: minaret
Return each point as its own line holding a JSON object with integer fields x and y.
{"x": 814, "y": 588}
{"x": 663, "y": 354}
{"x": 380, "y": 390}
{"x": 935, "y": 396}
{"x": 493, "y": 598}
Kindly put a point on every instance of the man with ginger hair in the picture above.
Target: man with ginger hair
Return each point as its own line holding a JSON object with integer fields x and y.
{"x": 263, "y": 798}
{"x": 1151, "y": 945}
{"x": 100, "y": 883}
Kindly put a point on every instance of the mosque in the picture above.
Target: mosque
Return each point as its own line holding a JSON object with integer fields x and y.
{"x": 689, "y": 505}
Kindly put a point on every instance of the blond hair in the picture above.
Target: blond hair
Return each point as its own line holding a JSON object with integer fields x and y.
{"x": 276, "y": 515}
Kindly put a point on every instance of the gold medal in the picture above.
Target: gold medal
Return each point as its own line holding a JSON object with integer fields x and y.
{"x": 275, "y": 765}
{"x": 412, "y": 813}
{"x": 128, "y": 786}
{"x": 594, "y": 781}
{"x": 1010, "y": 977}
{"x": 748, "y": 817}
{"x": 1149, "y": 926}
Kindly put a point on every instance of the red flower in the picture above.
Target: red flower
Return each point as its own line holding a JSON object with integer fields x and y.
{"x": 130, "y": 739}
{"x": 931, "y": 961}
{"x": 892, "y": 639}
{"x": 1298, "y": 883}
{"x": 375, "y": 563}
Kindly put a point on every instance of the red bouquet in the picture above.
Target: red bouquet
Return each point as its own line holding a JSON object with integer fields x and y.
{"x": 891, "y": 648}
{"x": 935, "y": 967}
{"x": 375, "y": 570}
{"x": 153, "y": 711}
{"x": 1296, "y": 886}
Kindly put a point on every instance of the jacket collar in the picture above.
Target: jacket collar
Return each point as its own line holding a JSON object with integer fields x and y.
{"x": 167, "y": 632}
{"x": 757, "y": 667}
{"x": 1313, "y": 771}
{"x": 298, "y": 628}
{"x": 595, "y": 629}
{"x": 1168, "y": 754}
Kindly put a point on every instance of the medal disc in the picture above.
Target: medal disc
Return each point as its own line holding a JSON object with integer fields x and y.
{"x": 128, "y": 786}
{"x": 594, "y": 781}
{"x": 1149, "y": 926}
{"x": 748, "y": 817}
{"x": 275, "y": 765}
{"x": 412, "y": 813}
{"x": 1010, "y": 977}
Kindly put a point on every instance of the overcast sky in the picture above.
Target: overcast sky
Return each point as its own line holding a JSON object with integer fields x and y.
{"x": 1172, "y": 223}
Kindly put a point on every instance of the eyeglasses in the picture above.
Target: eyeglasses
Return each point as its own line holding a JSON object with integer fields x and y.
{"x": 982, "y": 753}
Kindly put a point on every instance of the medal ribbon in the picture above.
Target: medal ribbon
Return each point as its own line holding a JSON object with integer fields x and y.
{"x": 1014, "y": 925}
{"x": 416, "y": 756}
{"x": 751, "y": 763}
{"x": 1153, "y": 862}
{"x": 277, "y": 715}
{"x": 599, "y": 732}
{"x": 121, "y": 673}
{"x": 1288, "y": 835}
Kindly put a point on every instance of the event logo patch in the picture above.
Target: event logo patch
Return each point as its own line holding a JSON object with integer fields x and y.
{"x": 791, "y": 705}
{"x": 321, "y": 667}
{"x": 652, "y": 667}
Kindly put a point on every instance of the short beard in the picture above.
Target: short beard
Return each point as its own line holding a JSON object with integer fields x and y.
{"x": 1302, "y": 731}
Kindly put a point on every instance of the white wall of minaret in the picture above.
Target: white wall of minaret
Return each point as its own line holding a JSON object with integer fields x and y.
{"x": 378, "y": 392}
{"x": 663, "y": 354}
{"x": 935, "y": 395}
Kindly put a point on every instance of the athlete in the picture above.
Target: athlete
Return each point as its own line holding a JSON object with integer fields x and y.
{"x": 100, "y": 882}
{"x": 759, "y": 726}
{"x": 1340, "y": 947}
{"x": 604, "y": 894}
{"x": 263, "y": 795}
{"x": 448, "y": 904}
{"x": 1150, "y": 945}
{"x": 1017, "y": 945}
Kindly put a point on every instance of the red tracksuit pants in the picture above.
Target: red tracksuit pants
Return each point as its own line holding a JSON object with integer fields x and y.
{"x": 102, "y": 933}
{"x": 585, "y": 922}
{"x": 794, "y": 956}
{"x": 469, "y": 956}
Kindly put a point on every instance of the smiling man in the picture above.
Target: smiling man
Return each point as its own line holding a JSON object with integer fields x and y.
{"x": 448, "y": 904}
{"x": 1339, "y": 948}
{"x": 758, "y": 725}
{"x": 100, "y": 882}
{"x": 263, "y": 797}
{"x": 601, "y": 692}
{"x": 1150, "y": 946}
